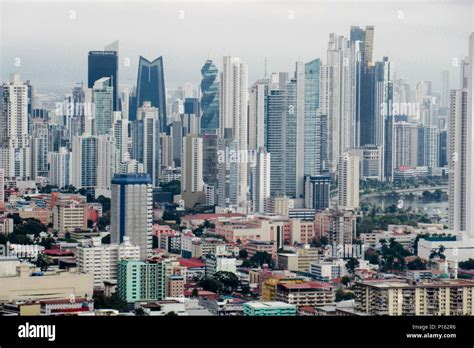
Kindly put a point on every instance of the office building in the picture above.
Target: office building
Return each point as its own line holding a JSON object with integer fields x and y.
{"x": 132, "y": 210}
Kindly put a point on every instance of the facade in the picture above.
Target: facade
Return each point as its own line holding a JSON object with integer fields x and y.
{"x": 348, "y": 180}
{"x": 209, "y": 98}
{"x": 104, "y": 64}
{"x": 151, "y": 88}
{"x": 131, "y": 211}
{"x": 398, "y": 297}
{"x": 317, "y": 192}
{"x": 306, "y": 294}
{"x": 140, "y": 281}
{"x": 15, "y": 147}
{"x": 61, "y": 285}
{"x": 70, "y": 213}
{"x": 269, "y": 309}
{"x": 101, "y": 260}
{"x": 192, "y": 184}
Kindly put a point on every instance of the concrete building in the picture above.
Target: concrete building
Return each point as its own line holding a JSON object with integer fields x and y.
{"x": 306, "y": 294}
{"x": 70, "y": 213}
{"x": 399, "y": 297}
{"x": 140, "y": 281}
{"x": 269, "y": 309}
{"x": 101, "y": 260}
{"x": 132, "y": 211}
{"x": 27, "y": 284}
{"x": 348, "y": 180}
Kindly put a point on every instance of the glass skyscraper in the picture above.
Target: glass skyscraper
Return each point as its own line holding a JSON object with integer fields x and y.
{"x": 210, "y": 98}
{"x": 104, "y": 64}
{"x": 151, "y": 87}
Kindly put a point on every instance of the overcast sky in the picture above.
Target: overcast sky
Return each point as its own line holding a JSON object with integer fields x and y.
{"x": 421, "y": 38}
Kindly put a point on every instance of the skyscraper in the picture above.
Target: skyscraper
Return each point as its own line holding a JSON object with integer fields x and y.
{"x": 192, "y": 184}
{"x": 470, "y": 141}
{"x": 132, "y": 211}
{"x": 317, "y": 191}
{"x": 146, "y": 140}
{"x": 151, "y": 87}
{"x": 104, "y": 64}
{"x": 209, "y": 98}
{"x": 312, "y": 147}
{"x": 256, "y": 126}
{"x": 14, "y": 140}
{"x": 348, "y": 180}
{"x": 261, "y": 181}
{"x": 102, "y": 98}
{"x": 233, "y": 98}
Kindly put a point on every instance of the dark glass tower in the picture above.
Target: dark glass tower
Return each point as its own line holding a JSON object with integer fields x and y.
{"x": 210, "y": 98}
{"x": 104, "y": 64}
{"x": 151, "y": 87}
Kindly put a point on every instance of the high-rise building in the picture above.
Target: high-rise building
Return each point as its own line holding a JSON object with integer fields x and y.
{"x": 233, "y": 99}
{"x": 151, "y": 88}
{"x": 348, "y": 180}
{"x": 256, "y": 123}
{"x": 15, "y": 150}
{"x": 39, "y": 149}
{"x": 102, "y": 260}
{"x": 132, "y": 211}
{"x": 209, "y": 98}
{"x": 317, "y": 191}
{"x": 312, "y": 147}
{"x": 102, "y": 98}
{"x": 60, "y": 168}
{"x": 406, "y": 145}
{"x": 104, "y": 64}
{"x": 140, "y": 281}
{"x": 146, "y": 140}
{"x": 260, "y": 184}
{"x": 470, "y": 141}
{"x": 192, "y": 184}
{"x": 461, "y": 149}
{"x": 428, "y": 137}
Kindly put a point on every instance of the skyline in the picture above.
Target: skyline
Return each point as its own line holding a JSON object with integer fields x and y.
{"x": 185, "y": 33}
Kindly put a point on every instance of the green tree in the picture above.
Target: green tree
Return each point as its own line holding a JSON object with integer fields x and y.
{"x": 243, "y": 254}
{"x": 211, "y": 284}
{"x": 416, "y": 264}
{"x": 228, "y": 279}
{"x": 345, "y": 280}
{"x": 352, "y": 264}
{"x": 260, "y": 258}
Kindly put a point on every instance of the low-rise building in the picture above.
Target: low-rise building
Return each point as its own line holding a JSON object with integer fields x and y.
{"x": 306, "y": 294}
{"x": 269, "y": 308}
{"x": 403, "y": 297}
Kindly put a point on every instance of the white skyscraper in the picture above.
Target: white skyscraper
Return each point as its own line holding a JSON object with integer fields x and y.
{"x": 257, "y": 114}
{"x": 233, "y": 98}
{"x": 60, "y": 167}
{"x": 192, "y": 163}
{"x": 147, "y": 141}
{"x": 14, "y": 139}
{"x": 348, "y": 180}
{"x": 470, "y": 142}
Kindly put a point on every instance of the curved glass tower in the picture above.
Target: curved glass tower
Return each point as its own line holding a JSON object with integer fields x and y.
{"x": 151, "y": 87}
{"x": 209, "y": 99}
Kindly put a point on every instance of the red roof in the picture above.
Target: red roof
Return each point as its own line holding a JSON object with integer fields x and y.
{"x": 191, "y": 263}
{"x": 57, "y": 252}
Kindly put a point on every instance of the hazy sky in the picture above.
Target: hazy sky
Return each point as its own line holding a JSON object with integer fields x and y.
{"x": 421, "y": 37}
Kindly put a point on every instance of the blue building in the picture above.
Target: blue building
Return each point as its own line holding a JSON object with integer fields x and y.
{"x": 210, "y": 98}
{"x": 104, "y": 64}
{"x": 151, "y": 87}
